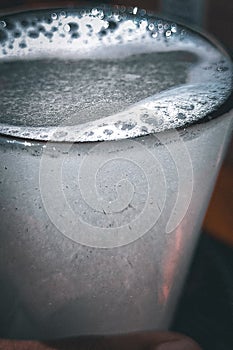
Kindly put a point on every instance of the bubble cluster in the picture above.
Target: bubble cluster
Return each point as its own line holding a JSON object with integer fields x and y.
{"x": 90, "y": 26}
{"x": 104, "y": 74}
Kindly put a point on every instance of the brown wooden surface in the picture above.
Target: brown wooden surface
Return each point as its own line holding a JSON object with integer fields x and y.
{"x": 219, "y": 218}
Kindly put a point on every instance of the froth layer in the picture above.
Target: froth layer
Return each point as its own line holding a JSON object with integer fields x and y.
{"x": 104, "y": 74}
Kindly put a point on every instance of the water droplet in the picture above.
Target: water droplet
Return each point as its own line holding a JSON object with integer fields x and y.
{"x": 135, "y": 10}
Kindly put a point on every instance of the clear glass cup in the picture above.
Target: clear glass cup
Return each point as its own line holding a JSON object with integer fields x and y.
{"x": 97, "y": 237}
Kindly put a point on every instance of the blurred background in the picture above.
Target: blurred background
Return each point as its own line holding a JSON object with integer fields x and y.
{"x": 205, "y": 311}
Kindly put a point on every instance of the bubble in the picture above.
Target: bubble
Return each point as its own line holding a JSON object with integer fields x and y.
{"x": 160, "y": 27}
{"x": 168, "y": 33}
{"x": 143, "y": 23}
{"x": 151, "y": 26}
{"x": 154, "y": 121}
{"x": 33, "y": 34}
{"x": 154, "y": 35}
{"x": 17, "y": 34}
{"x": 183, "y": 32}
{"x": 89, "y": 133}
{"x": 181, "y": 116}
{"x": 144, "y": 129}
{"x": 41, "y": 29}
{"x": 75, "y": 35}
{"x": 190, "y": 108}
{"x": 73, "y": 26}
{"x": 59, "y": 134}
{"x": 66, "y": 27}
{"x": 54, "y": 16}
{"x": 125, "y": 125}
{"x": 34, "y": 23}
{"x": 173, "y": 28}
{"x": 222, "y": 69}
{"x": 89, "y": 26}
{"x": 135, "y": 10}
{"x": 112, "y": 25}
{"x": 108, "y": 132}
{"x": 48, "y": 35}
{"x": 63, "y": 14}
{"x": 49, "y": 20}
{"x": 22, "y": 45}
{"x": 25, "y": 23}
{"x": 2, "y": 24}
{"x": 94, "y": 12}
{"x": 142, "y": 12}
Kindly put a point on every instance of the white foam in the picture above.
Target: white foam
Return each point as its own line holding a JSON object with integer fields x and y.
{"x": 100, "y": 34}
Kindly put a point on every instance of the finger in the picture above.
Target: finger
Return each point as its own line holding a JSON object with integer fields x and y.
{"x": 137, "y": 341}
